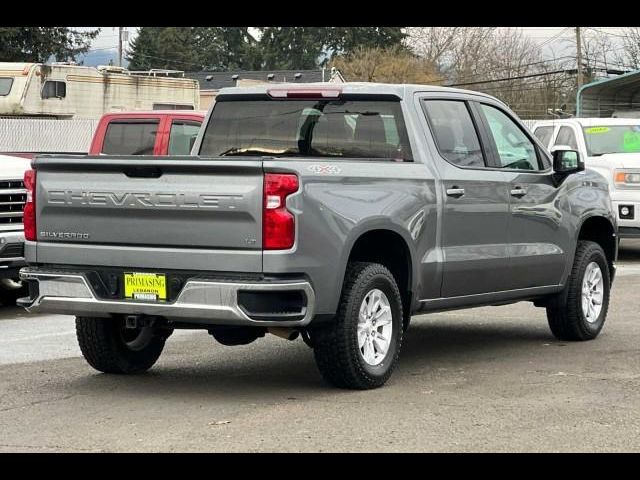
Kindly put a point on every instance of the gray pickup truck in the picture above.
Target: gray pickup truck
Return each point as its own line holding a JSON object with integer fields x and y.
{"x": 330, "y": 212}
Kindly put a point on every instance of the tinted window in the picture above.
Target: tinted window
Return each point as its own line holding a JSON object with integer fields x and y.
{"x": 307, "y": 128}
{"x": 515, "y": 150}
{"x": 5, "y": 86}
{"x": 544, "y": 134}
{"x": 567, "y": 137}
{"x": 130, "y": 138}
{"x": 53, "y": 89}
{"x": 181, "y": 137}
{"x": 455, "y": 133}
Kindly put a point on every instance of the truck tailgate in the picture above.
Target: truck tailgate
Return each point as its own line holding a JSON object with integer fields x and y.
{"x": 145, "y": 211}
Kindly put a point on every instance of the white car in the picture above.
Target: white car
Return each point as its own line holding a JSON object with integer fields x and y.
{"x": 610, "y": 146}
{"x": 12, "y": 198}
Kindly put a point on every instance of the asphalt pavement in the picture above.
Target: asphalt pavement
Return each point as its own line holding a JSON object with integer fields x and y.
{"x": 486, "y": 379}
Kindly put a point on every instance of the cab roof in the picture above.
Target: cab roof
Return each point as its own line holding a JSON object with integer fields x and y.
{"x": 400, "y": 90}
{"x": 140, "y": 113}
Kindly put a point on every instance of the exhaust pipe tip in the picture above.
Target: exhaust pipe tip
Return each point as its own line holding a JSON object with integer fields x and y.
{"x": 286, "y": 333}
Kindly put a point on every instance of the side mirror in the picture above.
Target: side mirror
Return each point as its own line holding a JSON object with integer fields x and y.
{"x": 566, "y": 160}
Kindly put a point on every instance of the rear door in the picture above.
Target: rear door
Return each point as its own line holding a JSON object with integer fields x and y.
{"x": 476, "y": 203}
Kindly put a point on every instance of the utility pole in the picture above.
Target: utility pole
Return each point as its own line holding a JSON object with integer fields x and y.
{"x": 579, "y": 56}
{"x": 123, "y": 37}
{"x": 120, "y": 46}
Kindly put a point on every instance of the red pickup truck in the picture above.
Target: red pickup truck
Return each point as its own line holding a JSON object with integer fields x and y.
{"x": 146, "y": 133}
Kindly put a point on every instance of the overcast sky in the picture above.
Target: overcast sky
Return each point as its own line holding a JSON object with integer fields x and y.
{"x": 554, "y": 41}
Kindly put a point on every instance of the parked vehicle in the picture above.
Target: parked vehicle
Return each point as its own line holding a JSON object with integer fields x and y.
{"x": 335, "y": 213}
{"x": 146, "y": 133}
{"x": 66, "y": 90}
{"x": 610, "y": 146}
{"x": 12, "y": 199}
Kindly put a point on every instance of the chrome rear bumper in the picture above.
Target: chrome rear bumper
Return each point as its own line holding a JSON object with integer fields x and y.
{"x": 204, "y": 301}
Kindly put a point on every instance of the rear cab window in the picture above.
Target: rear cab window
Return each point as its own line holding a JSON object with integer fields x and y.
{"x": 351, "y": 127}
{"x": 130, "y": 137}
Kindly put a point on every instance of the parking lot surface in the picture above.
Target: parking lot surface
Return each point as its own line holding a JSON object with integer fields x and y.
{"x": 486, "y": 379}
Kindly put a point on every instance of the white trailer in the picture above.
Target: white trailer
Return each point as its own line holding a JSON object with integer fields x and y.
{"x": 66, "y": 91}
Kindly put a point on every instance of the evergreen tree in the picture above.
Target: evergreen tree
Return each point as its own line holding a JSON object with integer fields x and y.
{"x": 38, "y": 44}
{"x": 192, "y": 48}
{"x": 309, "y": 47}
{"x": 173, "y": 48}
{"x": 291, "y": 47}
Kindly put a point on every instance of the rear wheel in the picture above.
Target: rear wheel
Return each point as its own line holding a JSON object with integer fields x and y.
{"x": 110, "y": 347}
{"x": 360, "y": 348}
{"x": 580, "y": 311}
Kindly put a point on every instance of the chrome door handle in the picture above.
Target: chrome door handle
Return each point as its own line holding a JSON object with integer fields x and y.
{"x": 518, "y": 192}
{"x": 455, "y": 192}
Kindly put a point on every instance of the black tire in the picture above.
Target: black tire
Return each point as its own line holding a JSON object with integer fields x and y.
{"x": 110, "y": 348}
{"x": 336, "y": 350}
{"x": 564, "y": 313}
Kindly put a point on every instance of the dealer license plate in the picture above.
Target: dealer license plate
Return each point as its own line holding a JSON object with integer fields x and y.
{"x": 145, "y": 286}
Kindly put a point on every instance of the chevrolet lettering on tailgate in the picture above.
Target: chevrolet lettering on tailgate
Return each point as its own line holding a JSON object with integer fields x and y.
{"x": 142, "y": 199}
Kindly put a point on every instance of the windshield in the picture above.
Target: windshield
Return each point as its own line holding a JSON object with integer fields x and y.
{"x": 5, "y": 86}
{"x": 307, "y": 128}
{"x": 612, "y": 139}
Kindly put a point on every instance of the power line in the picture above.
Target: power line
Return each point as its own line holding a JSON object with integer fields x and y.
{"x": 505, "y": 69}
{"x": 509, "y": 78}
{"x": 546, "y": 42}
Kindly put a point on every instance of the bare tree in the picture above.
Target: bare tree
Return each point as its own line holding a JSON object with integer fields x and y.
{"x": 499, "y": 61}
{"x": 390, "y": 65}
{"x": 457, "y": 52}
{"x": 630, "y": 55}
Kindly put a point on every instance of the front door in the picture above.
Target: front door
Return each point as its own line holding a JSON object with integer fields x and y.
{"x": 538, "y": 229}
{"x": 476, "y": 203}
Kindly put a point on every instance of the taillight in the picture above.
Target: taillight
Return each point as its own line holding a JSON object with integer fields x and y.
{"x": 29, "y": 215}
{"x": 278, "y": 223}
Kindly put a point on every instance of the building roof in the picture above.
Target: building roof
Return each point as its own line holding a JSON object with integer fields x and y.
{"x": 218, "y": 80}
{"x": 604, "y": 97}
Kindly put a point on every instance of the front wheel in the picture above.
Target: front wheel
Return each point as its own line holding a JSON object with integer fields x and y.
{"x": 360, "y": 348}
{"x": 110, "y": 347}
{"x": 579, "y": 312}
